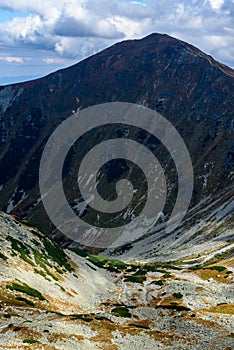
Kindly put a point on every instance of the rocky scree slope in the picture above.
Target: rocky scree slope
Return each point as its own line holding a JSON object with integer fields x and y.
{"x": 52, "y": 298}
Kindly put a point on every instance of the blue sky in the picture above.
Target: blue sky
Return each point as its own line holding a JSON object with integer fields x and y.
{"x": 37, "y": 36}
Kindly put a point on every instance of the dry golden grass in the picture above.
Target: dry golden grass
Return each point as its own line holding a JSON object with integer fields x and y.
{"x": 218, "y": 276}
{"x": 61, "y": 306}
{"x": 228, "y": 262}
{"x": 8, "y": 297}
{"x": 221, "y": 309}
{"x": 55, "y": 337}
{"x": 105, "y": 329}
{"x": 154, "y": 301}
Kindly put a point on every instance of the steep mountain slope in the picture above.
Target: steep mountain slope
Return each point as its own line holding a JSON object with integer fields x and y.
{"x": 188, "y": 87}
{"x": 55, "y": 299}
{"x": 31, "y": 259}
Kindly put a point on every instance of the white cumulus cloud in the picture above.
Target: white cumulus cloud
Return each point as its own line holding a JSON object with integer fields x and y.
{"x": 75, "y": 29}
{"x": 52, "y": 60}
{"x": 11, "y": 59}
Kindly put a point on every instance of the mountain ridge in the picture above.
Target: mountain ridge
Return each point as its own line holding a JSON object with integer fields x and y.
{"x": 226, "y": 69}
{"x": 193, "y": 91}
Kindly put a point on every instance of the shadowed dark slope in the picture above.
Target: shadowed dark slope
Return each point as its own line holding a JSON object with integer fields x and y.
{"x": 192, "y": 90}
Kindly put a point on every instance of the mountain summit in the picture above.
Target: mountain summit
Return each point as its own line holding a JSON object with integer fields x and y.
{"x": 161, "y": 290}
{"x": 189, "y": 88}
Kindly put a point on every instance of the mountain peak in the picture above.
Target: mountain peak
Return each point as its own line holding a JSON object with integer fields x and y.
{"x": 160, "y": 41}
{"x": 190, "y": 89}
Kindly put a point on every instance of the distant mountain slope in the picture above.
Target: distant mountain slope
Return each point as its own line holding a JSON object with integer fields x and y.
{"x": 192, "y": 90}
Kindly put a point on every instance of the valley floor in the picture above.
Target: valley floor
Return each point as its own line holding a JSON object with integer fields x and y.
{"x": 169, "y": 310}
{"x": 91, "y": 302}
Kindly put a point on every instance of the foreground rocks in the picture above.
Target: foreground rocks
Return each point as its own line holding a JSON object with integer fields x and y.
{"x": 130, "y": 305}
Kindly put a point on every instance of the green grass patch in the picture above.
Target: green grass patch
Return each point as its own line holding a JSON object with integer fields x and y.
{"x": 158, "y": 282}
{"x": 52, "y": 275}
{"x": 118, "y": 265}
{"x": 35, "y": 242}
{"x": 170, "y": 266}
{"x": 217, "y": 268}
{"x": 26, "y": 301}
{"x": 26, "y": 289}
{"x": 41, "y": 273}
{"x": 173, "y": 306}
{"x": 121, "y": 311}
{"x": 157, "y": 267}
{"x": 30, "y": 341}
{"x": 79, "y": 252}
{"x": 61, "y": 287}
{"x": 21, "y": 248}
{"x": 57, "y": 254}
{"x": 115, "y": 265}
{"x": 42, "y": 262}
{"x": 135, "y": 278}
{"x": 83, "y": 317}
{"x": 139, "y": 326}
{"x": 101, "y": 261}
{"x": 98, "y": 260}
{"x": 178, "y": 295}
{"x": 52, "y": 250}
{"x": 140, "y": 272}
{"x": 167, "y": 275}
{"x": 40, "y": 258}
{"x": 58, "y": 270}
{"x": 3, "y": 257}
{"x": 194, "y": 268}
